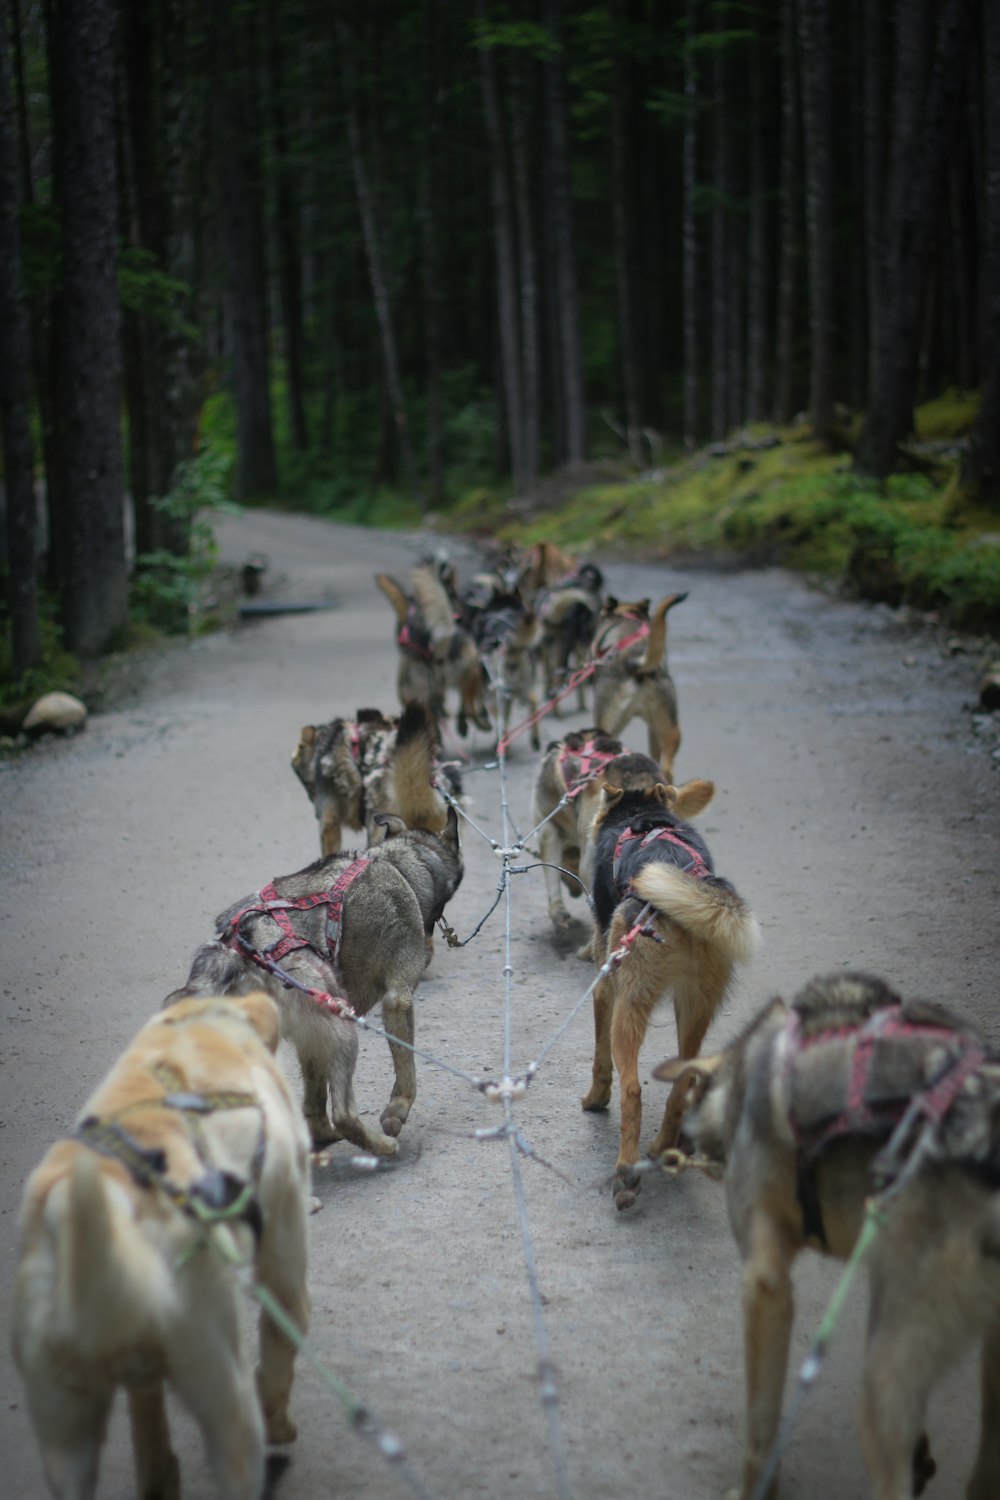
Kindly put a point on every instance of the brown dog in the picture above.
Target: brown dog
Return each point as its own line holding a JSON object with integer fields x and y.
{"x": 634, "y": 682}
{"x": 117, "y": 1284}
{"x": 573, "y": 768}
{"x": 435, "y": 652}
{"x": 653, "y": 869}
{"x": 799, "y": 1111}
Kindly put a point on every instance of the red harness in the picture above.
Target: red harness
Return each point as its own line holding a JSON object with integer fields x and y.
{"x": 590, "y": 764}
{"x": 695, "y": 866}
{"x": 268, "y": 903}
{"x": 405, "y": 638}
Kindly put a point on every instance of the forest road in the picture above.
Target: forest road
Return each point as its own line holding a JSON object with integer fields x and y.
{"x": 856, "y": 809}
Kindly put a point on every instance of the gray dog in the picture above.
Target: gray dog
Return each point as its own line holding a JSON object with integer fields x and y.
{"x": 349, "y": 926}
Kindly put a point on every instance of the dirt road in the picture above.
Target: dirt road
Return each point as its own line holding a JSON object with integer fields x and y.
{"x": 857, "y": 809}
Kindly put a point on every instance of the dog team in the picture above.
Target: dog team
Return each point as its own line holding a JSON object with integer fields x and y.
{"x": 192, "y": 1156}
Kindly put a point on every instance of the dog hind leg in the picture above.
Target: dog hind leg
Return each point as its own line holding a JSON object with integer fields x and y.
{"x": 70, "y": 1432}
{"x": 768, "y": 1311}
{"x": 397, "y": 1014}
{"x": 985, "y": 1481}
{"x": 599, "y": 1093}
{"x": 219, "y": 1391}
{"x": 281, "y": 1268}
{"x": 157, "y": 1472}
{"x": 698, "y": 992}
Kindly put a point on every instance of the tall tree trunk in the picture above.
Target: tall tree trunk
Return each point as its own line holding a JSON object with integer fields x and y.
{"x": 890, "y": 407}
{"x": 181, "y": 113}
{"x": 376, "y": 269}
{"x": 528, "y": 267}
{"x": 430, "y": 145}
{"x": 238, "y": 188}
{"x": 982, "y": 468}
{"x": 689, "y": 231}
{"x": 758, "y": 259}
{"x": 82, "y": 52}
{"x": 623, "y": 251}
{"x": 15, "y": 393}
{"x": 562, "y": 218}
{"x": 873, "y": 167}
{"x": 815, "y": 36}
{"x": 788, "y": 254}
{"x": 287, "y": 237}
{"x": 720, "y": 299}
{"x": 503, "y": 230}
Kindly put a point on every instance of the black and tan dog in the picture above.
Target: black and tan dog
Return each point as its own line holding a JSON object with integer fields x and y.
{"x": 572, "y": 768}
{"x": 349, "y": 926}
{"x": 634, "y": 682}
{"x": 568, "y": 613}
{"x": 195, "y": 1125}
{"x": 354, "y": 768}
{"x": 436, "y": 652}
{"x": 647, "y": 856}
{"x": 816, "y": 1106}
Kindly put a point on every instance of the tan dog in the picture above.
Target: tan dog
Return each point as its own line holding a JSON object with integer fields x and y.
{"x": 572, "y": 767}
{"x": 116, "y": 1283}
{"x": 435, "y": 652}
{"x": 354, "y": 768}
{"x": 646, "y": 859}
{"x": 798, "y": 1110}
{"x": 635, "y": 683}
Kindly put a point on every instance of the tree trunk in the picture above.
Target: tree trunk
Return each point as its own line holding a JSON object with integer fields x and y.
{"x": 238, "y": 187}
{"x": 15, "y": 394}
{"x": 82, "y": 51}
{"x": 815, "y": 38}
{"x": 562, "y": 217}
{"x": 528, "y": 266}
{"x": 720, "y": 300}
{"x": 689, "y": 232}
{"x": 287, "y": 238}
{"x": 788, "y": 254}
{"x": 503, "y": 230}
{"x": 983, "y": 462}
{"x": 758, "y": 258}
{"x": 376, "y": 270}
{"x": 890, "y": 407}
{"x": 873, "y": 168}
{"x": 430, "y": 145}
{"x": 623, "y": 252}
{"x": 179, "y": 383}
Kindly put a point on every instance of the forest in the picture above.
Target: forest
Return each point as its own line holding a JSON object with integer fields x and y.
{"x": 310, "y": 253}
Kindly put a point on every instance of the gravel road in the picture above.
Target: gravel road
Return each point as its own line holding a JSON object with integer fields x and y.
{"x": 856, "y": 808}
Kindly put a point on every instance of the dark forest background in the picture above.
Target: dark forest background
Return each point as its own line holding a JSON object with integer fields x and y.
{"x": 418, "y": 244}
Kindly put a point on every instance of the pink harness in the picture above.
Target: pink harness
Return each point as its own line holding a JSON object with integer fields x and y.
{"x": 590, "y": 764}
{"x": 269, "y": 903}
{"x": 696, "y": 866}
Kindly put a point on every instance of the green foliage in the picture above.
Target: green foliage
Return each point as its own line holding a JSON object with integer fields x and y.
{"x": 949, "y": 415}
{"x": 167, "y": 586}
{"x": 57, "y": 671}
{"x": 145, "y": 289}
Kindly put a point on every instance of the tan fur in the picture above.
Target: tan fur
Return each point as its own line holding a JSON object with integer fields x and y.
{"x": 933, "y": 1267}
{"x": 563, "y": 841}
{"x": 705, "y": 930}
{"x": 395, "y": 593}
{"x": 636, "y": 683}
{"x": 113, "y": 1285}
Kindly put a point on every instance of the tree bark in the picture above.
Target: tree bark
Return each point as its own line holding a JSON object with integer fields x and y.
{"x": 15, "y": 393}
{"x": 238, "y": 188}
{"x": 562, "y": 217}
{"x": 689, "y": 233}
{"x": 287, "y": 238}
{"x": 983, "y": 462}
{"x": 376, "y": 269}
{"x": 623, "y": 252}
{"x": 785, "y": 397}
{"x": 95, "y": 603}
{"x": 872, "y": 168}
{"x": 503, "y": 231}
{"x": 758, "y": 260}
{"x": 890, "y": 407}
{"x": 720, "y": 299}
{"x": 815, "y": 38}
{"x": 431, "y": 268}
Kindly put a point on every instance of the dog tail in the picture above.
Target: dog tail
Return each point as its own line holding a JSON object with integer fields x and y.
{"x": 396, "y": 595}
{"x": 419, "y": 803}
{"x": 656, "y": 641}
{"x": 433, "y": 601}
{"x": 217, "y": 970}
{"x": 109, "y": 1279}
{"x": 708, "y": 909}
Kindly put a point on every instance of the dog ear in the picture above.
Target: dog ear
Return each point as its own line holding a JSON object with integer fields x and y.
{"x": 450, "y": 830}
{"x": 693, "y": 797}
{"x": 665, "y": 794}
{"x": 307, "y": 735}
{"x": 390, "y": 825}
{"x": 691, "y": 1077}
{"x": 611, "y": 795}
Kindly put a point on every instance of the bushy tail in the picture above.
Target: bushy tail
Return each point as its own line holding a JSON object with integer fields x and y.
{"x": 433, "y": 601}
{"x": 656, "y": 641}
{"x": 217, "y": 970}
{"x": 418, "y": 803}
{"x": 395, "y": 593}
{"x": 110, "y": 1282}
{"x": 710, "y": 910}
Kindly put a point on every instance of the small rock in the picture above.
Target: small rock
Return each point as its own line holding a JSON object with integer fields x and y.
{"x": 55, "y": 711}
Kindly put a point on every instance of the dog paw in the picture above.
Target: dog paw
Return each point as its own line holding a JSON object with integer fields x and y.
{"x": 561, "y": 919}
{"x": 625, "y": 1188}
{"x": 280, "y": 1428}
{"x": 322, "y": 1132}
{"x": 597, "y": 1098}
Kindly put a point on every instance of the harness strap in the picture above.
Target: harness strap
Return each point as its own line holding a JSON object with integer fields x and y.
{"x": 269, "y": 903}
{"x": 590, "y": 764}
{"x": 696, "y": 866}
{"x": 406, "y": 637}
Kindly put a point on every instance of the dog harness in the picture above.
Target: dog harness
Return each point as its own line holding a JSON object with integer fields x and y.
{"x": 692, "y": 862}
{"x": 877, "y": 1102}
{"x": 413, "y": 637}
{"x": 590, "y": 763}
